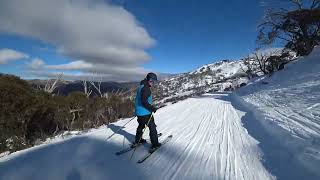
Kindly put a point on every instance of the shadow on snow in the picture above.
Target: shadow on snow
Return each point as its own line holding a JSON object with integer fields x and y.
{"x": 73, "y": 159}
{"x": 277, "y": 159}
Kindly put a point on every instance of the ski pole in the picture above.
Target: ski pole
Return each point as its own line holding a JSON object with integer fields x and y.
{"x": 141, "y": 136}
{"x": 120, "y": 128}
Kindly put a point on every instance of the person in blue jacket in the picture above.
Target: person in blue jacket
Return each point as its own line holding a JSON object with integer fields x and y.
{"x": 144, "y": 110}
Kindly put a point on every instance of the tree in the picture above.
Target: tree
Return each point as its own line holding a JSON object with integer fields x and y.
{"x": 77, "y": 101}
{"x": 299, "y": 29}
{"x": 97, "y": 85}
{"x": 86, "y": 88}
{"x": 51, "y": 85}
{"x": 260, "y": 61}
{"x": 265, "y": 62}
{"x": 249, "y": 64}
{"x": 28, "y": 116}
{"x": 277, "y": 62}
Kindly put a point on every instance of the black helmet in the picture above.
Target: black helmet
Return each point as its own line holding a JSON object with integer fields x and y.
{"x": 152, "y": 76}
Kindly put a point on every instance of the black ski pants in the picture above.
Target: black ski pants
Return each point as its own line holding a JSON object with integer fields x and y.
{"x": 143, "y": 121}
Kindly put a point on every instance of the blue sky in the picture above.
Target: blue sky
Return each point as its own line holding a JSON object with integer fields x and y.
{"x": 192, "y": 33}
{"x": 129, "y": 39}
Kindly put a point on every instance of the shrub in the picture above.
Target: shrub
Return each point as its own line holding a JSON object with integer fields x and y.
{"x": 28, "y": 115}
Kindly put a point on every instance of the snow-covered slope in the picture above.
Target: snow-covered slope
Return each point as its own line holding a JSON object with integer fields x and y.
{"x": 209, "y": 142}
{"x": 266, "y": 130}
{"x": 223, "y": 68}
{"x": 224, "y": 75}
{"x": 288, "y": 106}
{"x": 221, "y": 76}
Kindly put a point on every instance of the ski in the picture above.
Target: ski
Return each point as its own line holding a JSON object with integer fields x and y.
{"x": 151, "y": 152}
{"x": 130, "y": 148}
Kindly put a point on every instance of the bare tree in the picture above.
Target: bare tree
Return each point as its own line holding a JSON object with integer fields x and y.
{"x": 51, "y": 85}
{"x": 299, "y": 29}
{"x": 299, "y": 4}
{"x": 277, "y": 61}
{"x": 75, "y": 113}
{"x": 86, "y": 88}
{"x": 97, "y": 85}
{"x": 106, "y": 95}
{"x": 266, "y": 62}
{"x": 127, "y": 94}
{"x": 260, "y": 61}
{"x": 249, "y": 64}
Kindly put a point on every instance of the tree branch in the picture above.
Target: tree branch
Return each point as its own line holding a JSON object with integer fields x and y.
{"x": 315, "y": 4}
{"x": 298, "y": 3}
{"x": 86, "y": 91}
{"x": 51, "y": 87}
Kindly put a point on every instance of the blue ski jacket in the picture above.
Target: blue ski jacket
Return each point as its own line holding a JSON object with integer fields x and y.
{"x": 143, "y": 101}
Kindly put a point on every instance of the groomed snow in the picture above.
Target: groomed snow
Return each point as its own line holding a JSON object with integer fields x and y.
{"x": 209, "y": 142}
{"x": 288, "y": 105}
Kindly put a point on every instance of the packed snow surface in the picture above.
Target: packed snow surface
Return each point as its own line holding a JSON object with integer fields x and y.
{"x": 288, "y": 105}
{"x": 209, "y": 142}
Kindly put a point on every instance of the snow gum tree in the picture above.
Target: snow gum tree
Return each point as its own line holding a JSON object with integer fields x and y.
{"x": 298, "y": 28}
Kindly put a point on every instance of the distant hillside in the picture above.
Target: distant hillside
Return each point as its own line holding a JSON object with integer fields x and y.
{"x": 66, "y": 87}
{"x": 224, "y": 75}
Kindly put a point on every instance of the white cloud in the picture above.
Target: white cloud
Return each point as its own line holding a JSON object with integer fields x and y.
{"x": 7, "y": 55}
{"x": 94, "y": 31}
{"x": 37, "y": 63}
{"x": 87, "y": 71}
{"x": 75, "y": 65}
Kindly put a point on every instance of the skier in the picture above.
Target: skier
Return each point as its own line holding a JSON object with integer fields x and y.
{"x": 144, "y": 109}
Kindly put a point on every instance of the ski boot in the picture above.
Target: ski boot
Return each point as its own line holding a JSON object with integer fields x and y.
{"x": 135, "y": 144}
{"x": 154, "y": 147}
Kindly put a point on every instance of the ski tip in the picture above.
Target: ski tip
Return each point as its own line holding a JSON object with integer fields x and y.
{"x": 141, "y": 161}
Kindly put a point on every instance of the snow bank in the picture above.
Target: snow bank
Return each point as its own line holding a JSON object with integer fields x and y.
{"x": 288, "y": 104}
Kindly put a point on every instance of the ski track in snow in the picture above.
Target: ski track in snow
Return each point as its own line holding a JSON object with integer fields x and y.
{"x": 289, "y": 107}
{"x": 209, "y": 142}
